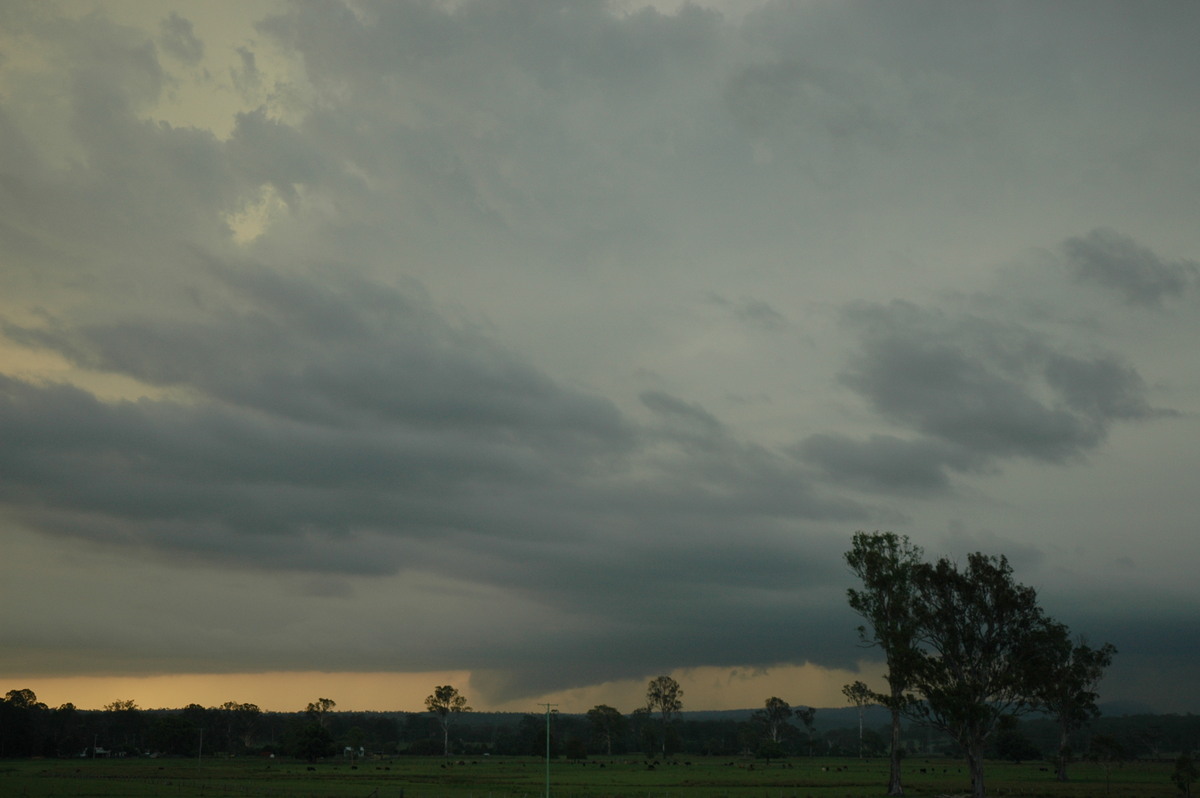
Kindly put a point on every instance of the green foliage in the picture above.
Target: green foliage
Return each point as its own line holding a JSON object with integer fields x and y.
{"x": 886, "y": 564}
{"x": 976, "y": 657}
{"x": 968, "y": 647}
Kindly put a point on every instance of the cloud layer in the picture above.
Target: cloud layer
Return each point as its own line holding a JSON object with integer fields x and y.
{"x": 568, "y": 342}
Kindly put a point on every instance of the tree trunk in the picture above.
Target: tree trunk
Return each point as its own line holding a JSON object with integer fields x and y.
{"x": 1063, "y": 746}
{"x": 894, "y": 785}
{"x": 860, "y": 731}
{"x": 975, "y": 765}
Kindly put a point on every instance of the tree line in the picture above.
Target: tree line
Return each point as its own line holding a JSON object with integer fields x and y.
{"x": 30, "y": 728}
{"x": 969, "y": 652}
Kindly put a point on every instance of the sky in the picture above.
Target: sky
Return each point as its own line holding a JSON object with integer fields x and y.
{"x": 542, "y": 347}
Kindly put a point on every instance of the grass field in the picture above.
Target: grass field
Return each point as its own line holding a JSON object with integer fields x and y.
{"x": 604, "y": 777}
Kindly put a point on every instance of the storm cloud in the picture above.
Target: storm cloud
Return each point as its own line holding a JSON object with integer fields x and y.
{"x": 570, "y": 342}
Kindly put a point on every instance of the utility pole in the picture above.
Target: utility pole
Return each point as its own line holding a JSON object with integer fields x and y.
{"x": 548, "y": 706}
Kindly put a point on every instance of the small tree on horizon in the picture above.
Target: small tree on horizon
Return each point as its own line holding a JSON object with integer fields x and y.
{"x": 445, "y": 703}
{"x": 861, "y": 696}
{"x": 807, "y": 717}
{"x": 773, "y": 717}
{"x": 664, "y": 695}
{"x": 319, "y": 710}
{"x": 607, "y": 725}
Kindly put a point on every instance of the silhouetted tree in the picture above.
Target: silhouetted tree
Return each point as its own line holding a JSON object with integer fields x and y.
{"x": 23, "y": 699}
{"x": 807, "y": 717}
{"x": 23, "y": 721}
{"x": 319, "y": 711}
{"x": 67, "y": 730}
{"x": 978, "y": 633}
{"x": 664, "y": 695}
{"x": 445, "y": 703}
{"x": 239, "y": 721}
{"x": 773, "y": 717}
{"x": 1069, "y": 675}
{"x": 126, "y": 724}
{"x": 607, "y": 725}
{"x": 886, "y": 563}
{"x": 861, "y": 696}
{"x": 172, "y": 733}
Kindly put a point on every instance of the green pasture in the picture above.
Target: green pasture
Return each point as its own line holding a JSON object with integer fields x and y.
{"x": 600, "y": 777}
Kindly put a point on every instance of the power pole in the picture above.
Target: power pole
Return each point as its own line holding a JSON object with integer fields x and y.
{"x": 548, "y": 706}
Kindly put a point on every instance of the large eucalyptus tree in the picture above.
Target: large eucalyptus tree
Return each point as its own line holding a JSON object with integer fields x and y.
{"x": 978, "y": 656}
{"x": 886, "y": 564}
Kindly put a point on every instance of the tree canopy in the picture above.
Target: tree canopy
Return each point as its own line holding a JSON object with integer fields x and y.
{"x": 445, "y": 702}
{"x": 886, "y": 564}
{"x": 968, "y": 648}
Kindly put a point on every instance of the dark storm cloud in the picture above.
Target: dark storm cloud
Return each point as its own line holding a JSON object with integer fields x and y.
{"x": 978, "y": 390}
{"x": 887, "y": 464}
{"x": 1100, "y": 387}
{"x": 728, "y": 632}
{"x": 982, "y": 384}
{"x": 339, "y": 353}
{"x": 721, "y": 476}
{"x": 342, "y": 410}
{"x": 1119, "y": 263}
{"x": 334, "y": 407}
{"x": 402, "y": 390}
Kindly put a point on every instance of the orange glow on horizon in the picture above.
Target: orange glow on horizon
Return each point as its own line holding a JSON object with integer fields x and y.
{"x": 706, "y": 688}
{"x": 272, "y": 692}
